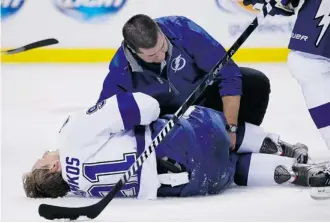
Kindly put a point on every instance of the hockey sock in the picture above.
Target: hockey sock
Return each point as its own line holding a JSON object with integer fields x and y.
{"x": 251, "y": 139}
{"x": 258, "y": 169}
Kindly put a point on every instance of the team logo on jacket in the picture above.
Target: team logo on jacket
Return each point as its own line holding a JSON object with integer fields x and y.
{"x": 178, "y": 63}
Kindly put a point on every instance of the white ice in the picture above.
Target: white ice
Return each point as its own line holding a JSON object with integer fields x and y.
{"x": 35, "y": 102}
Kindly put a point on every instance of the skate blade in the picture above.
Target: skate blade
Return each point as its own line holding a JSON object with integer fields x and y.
{"x": 320, "y": 193}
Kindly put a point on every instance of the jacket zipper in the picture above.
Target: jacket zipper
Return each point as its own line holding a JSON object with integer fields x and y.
{"x": 160, "y": 80}
{"x": 170, "y": 85}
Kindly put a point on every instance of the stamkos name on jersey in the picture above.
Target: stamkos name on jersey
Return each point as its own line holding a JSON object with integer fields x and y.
{"x": 72, "y": 173}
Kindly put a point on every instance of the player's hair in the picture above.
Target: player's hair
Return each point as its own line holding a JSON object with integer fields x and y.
{"x": 140, "y": 31}
{"x": 41, "y": 183}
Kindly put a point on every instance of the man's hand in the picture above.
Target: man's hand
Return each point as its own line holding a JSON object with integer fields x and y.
{"x": 280, "y": 7}
{"x": 232, "y": 137}
{"x": 230, "y": 109}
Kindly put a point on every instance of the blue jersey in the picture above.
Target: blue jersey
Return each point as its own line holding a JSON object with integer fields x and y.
{"x": 311, "y": 33}
{"x": 201, "y": 144}
{"x": 192, "y": 54}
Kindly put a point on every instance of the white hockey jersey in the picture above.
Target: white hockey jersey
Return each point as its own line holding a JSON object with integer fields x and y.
{"x": 99, "y": 144}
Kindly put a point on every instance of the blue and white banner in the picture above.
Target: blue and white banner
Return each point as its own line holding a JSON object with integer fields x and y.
{"x": 98, "y": 23}
{"x": 89, "y": 10}
{"x": 10, "y": 8}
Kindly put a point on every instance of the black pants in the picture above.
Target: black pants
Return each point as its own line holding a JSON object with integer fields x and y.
{"x": 254, "y": 100}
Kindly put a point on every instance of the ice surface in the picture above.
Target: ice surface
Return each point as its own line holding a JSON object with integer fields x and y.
{"x": 37, "y": 98}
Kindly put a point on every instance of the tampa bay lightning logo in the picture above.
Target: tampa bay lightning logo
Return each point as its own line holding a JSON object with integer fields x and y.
{"x": 89, "y": 10}
{"x": 10, "y": 7}
{"x": 323, "y": 14}
{"x": 178, "y": 63}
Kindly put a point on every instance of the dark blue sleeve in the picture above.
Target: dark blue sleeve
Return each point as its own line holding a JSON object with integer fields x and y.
{"x": 118, "y": 78}
{"x": 129, "y": 110}
{"x": 207, "y": 52}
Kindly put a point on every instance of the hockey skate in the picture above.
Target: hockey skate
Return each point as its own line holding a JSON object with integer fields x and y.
{"x": 313, "y": 175}
{"x": 320, "y": 191}
{"x": 273, "y": 145}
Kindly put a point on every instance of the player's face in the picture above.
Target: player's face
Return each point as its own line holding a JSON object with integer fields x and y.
{"x": 49, "y": 160}
{"x": 157, "y": 53}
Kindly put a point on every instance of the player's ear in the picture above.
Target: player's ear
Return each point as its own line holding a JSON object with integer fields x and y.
{"x": 52, "y": 168}
{"x": 55, "y": 167}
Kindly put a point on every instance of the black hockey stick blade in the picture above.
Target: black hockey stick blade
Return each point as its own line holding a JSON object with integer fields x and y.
{"x": 51, "y": 212}
{"x": 54, "y": 212}
{"x": 34, "y": 45}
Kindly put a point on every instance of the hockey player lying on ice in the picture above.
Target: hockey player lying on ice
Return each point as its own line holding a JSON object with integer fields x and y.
{"x": 99, "y": 144}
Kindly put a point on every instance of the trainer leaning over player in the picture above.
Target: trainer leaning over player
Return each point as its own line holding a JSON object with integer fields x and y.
{"x": 168, "y": 57}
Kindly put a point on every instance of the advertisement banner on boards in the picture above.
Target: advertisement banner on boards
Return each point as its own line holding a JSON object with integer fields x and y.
{"x": 273, "y": 25}
{"x": 89, "y": 11}
{"x": 10, "y": 8}
{"x": 95, "y": 26}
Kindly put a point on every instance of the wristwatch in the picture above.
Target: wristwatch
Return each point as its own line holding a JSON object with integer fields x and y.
{"x": 231, "y": 128}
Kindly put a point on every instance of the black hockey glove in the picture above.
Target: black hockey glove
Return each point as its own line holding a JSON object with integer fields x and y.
{"x": 280, "y": 7}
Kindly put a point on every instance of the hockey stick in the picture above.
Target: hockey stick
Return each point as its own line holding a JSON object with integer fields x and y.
{"x": 34, "y": 45}
{"x": 92, "y": 211}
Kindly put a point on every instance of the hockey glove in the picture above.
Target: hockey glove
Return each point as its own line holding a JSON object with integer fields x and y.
{"x": 280, "y": 7}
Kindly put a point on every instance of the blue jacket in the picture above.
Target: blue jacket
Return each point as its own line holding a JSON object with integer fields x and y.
{"x": 192, "y": 54}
